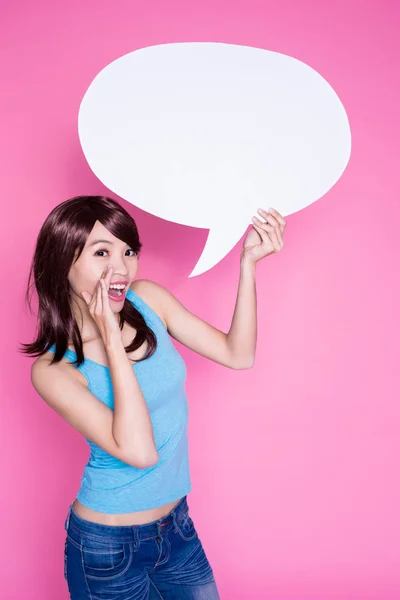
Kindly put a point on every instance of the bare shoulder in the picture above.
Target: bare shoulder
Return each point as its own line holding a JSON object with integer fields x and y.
{"x": 42, "y": 368}
{"x": 153, "y": 294}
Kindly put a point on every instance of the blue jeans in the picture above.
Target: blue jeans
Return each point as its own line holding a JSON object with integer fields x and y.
{"x": 161, "y": 559}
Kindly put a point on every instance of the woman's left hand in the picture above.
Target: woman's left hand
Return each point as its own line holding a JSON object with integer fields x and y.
{"x": 264, "y": 238}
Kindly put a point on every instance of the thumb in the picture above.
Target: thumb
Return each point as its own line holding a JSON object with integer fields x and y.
{"x": 84, "y": 296}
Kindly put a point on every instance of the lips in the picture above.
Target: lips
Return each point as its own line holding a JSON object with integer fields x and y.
{"x": 115, "y": 294}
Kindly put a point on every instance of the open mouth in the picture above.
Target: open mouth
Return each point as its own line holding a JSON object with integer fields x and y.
{"x": 117, "y": 290}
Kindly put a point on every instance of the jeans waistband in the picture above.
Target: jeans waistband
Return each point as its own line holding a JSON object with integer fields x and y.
{"x": 76, "y": 526}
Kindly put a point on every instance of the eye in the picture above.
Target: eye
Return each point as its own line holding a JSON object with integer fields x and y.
{"x": 104, "y": 250}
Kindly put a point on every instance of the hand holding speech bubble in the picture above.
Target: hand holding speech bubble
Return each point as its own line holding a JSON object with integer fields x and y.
{"x": 203, "y": 134}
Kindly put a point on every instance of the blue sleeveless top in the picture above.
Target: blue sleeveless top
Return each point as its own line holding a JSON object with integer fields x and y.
{"x": 108, "y": 484}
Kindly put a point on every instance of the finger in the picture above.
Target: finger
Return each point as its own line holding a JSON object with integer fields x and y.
{"x": 278, "y": 216}
{"x": 104, "y": 274}
{"x": 99, "y": 304}
{"x": 102, "y": 277}
{"x": 274, "y": 235}
{"x": 268, "y": 235}
{"x": 274, "y": 218}
{"x": 109, "y": 275}
{"x": 261, "y": 224}
{"x": 275, "y": 225}
{"x": 89, "y": 299}
{"x": 264, "y": 213}
{"x": 107, "y": 284}
{"x": 269, "y": 217}
{"x": 260, "y": 227}
{"x": 105, "y": 298}
{"x": 278, "y": 233}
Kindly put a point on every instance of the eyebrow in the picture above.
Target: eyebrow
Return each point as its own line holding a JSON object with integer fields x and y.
{"x": 101, "y": 241}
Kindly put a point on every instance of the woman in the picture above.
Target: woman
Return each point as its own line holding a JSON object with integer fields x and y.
{"x": 129, "y": 533}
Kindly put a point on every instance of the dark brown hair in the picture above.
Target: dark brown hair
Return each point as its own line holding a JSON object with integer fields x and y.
{"x": 62, "y": 236}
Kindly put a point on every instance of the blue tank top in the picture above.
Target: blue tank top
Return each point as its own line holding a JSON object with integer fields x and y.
{"x": 108, "y": 484}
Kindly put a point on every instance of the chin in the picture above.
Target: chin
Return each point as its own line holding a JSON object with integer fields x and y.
{"x": 116, "y": 306}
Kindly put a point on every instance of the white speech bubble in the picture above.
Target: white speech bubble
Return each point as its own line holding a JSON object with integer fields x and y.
{"x": 203, "y": 134}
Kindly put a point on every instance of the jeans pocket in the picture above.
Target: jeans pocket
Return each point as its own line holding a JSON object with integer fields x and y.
{"x": 185, "y": 525}
{"x": 105, "y": 559}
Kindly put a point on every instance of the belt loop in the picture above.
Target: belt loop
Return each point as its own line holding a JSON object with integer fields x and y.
{"x": 66, "y": 524}
{"x": 136, "y": 538}
{"x": 175, "y": 511}
{"x": 159, "y": 532}
{"x": 174, "y": 522}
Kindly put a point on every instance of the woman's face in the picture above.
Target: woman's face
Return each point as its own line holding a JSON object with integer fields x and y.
{"x": 102, "y": 249}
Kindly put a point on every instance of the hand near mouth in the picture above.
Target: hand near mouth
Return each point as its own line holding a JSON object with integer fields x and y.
{"x": 100, "y": 309}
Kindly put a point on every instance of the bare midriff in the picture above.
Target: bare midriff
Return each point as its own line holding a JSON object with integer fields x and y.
{"x": 136, "y": 518}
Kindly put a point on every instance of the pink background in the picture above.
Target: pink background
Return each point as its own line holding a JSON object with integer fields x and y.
{"x": 295, "y": 463}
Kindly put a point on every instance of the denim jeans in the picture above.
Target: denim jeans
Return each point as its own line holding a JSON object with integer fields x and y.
{"x": 161, "y": 559}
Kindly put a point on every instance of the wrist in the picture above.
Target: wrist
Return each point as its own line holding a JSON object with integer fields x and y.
{"x": 113, "y": 343}
{"x": 247, "y": 265}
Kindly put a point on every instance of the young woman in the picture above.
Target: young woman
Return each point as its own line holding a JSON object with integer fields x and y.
{"x": 106, "y": 363}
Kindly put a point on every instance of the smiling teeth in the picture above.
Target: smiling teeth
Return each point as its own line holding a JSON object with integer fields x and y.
{"x": 117, "y": 286}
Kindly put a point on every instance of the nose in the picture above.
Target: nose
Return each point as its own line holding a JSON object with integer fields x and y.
{"x": 120, "y": 266}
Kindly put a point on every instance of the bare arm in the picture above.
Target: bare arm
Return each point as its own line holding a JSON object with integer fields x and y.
{"x": 242, "y": 336}
{"x": 125, "y": 432}
{"x": 131, "y": 428}
{"x": 235, "y": 349}
{"x": 70, "y": 398}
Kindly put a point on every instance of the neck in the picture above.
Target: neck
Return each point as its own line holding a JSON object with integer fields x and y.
{"x": 86, "y": 324}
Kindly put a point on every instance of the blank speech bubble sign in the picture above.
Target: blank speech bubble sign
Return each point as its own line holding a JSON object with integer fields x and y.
{"x": 203, "y": 134}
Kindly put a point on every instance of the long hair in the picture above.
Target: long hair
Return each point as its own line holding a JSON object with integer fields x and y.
{"x": 60, "y": 242}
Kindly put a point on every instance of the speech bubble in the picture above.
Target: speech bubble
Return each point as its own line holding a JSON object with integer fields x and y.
{"x": 203, "y": 134}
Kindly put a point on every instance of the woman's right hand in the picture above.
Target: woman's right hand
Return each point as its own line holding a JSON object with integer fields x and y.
{"x": 100, "y": 308}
